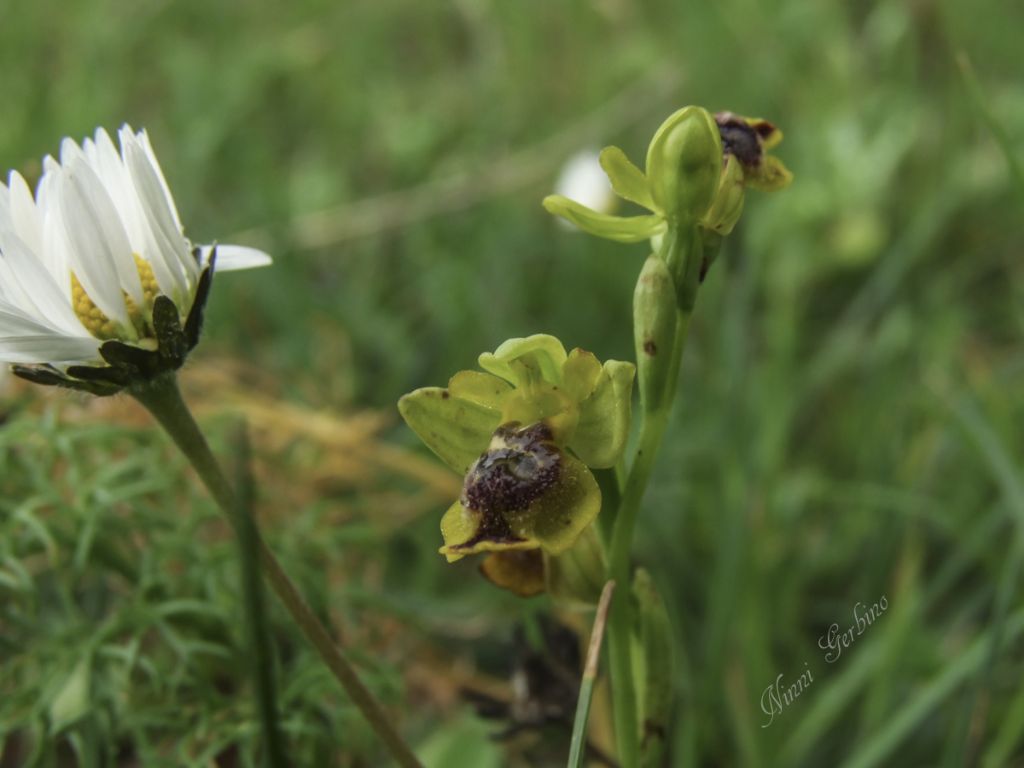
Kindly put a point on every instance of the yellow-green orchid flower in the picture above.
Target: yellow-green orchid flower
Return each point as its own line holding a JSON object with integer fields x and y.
{"x": 697, "y": 170}
{"x": 523, "y": 434}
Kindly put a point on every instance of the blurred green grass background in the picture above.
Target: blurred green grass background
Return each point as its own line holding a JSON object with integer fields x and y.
{"x": 849, "y": 425}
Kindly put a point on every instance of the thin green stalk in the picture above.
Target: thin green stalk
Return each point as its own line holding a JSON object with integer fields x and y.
{"x": 162, "y": 398}
{"x": 682, "y": 250}
{"x": 257, "y": 623}
{"x": 627, "y": 726}
{"x": 577, "y": 747}
{"x": 624, "y": 699}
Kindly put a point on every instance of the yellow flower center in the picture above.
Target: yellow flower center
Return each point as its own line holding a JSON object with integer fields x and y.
{"x": 101, "y": 326}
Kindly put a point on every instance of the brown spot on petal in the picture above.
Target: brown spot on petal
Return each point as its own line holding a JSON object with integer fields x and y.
{"x": 764, "y": 129}
{"x": 740, "y": 139}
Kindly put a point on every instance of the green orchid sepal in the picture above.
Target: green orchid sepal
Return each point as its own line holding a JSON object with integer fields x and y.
{"x": 604, "y": 421}
{"x": 621, "y": 229}
{"x": 727, "y": 205}
{"x": 628, "y": 181}
{"x": 454, "y": 428}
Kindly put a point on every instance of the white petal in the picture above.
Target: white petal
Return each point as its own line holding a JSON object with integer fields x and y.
{"x": 11, "y": 289}
{"x": 112, "y": 216}
{"x": 48, "y": 349}
{"x": 112, "y": 173}
{"x": 143, "y": 138}
{"x": 101, "y": 255}
{"x": 89, "y": 150}
{"x": 119, "y": 184}
{"x": 44, "y": 189}
{"x": 69, "y": 152}
{"x": 29, "y": 285}
{"x": 234, "y": 257}
{"x": 115, "y": 177}
{"x": 25, "y": 214}
{"x": 189, "y": 263}
{"x": 25, "y": 340}
{"x": 14, "y": 321}
{"x": 157, "y": 212}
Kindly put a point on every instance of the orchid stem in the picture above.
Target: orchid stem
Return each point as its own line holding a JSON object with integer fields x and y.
{"x": 162, "y": 398}
{"x": 682, "y": 250}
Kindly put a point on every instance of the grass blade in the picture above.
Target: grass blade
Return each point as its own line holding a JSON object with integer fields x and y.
{"x": 254, "y": 604}
{"x": 977, "y": 95}
{"x": 934, "y": 693}
{"x": 579, "y": 728}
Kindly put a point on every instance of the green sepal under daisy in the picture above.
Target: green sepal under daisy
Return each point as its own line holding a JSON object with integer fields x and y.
{"x": 126, "y": 365}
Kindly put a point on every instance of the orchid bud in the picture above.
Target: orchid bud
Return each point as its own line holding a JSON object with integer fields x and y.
{"x": 684, "y": 162}
{"x": 654, "y": 330}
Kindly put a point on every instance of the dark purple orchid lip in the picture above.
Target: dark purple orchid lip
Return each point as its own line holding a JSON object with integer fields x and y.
{"x": 521, "y": 465}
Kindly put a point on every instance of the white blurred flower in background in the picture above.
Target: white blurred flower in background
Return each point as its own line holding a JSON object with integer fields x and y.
{"x": 584, "y": 180}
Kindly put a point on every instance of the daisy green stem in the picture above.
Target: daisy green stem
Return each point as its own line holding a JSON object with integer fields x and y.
{"x": 682, "y": 251}
{"x": 162, "y": 398}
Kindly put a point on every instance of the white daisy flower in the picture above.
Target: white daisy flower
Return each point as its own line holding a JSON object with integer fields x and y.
{"x": 99, "y": 287}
